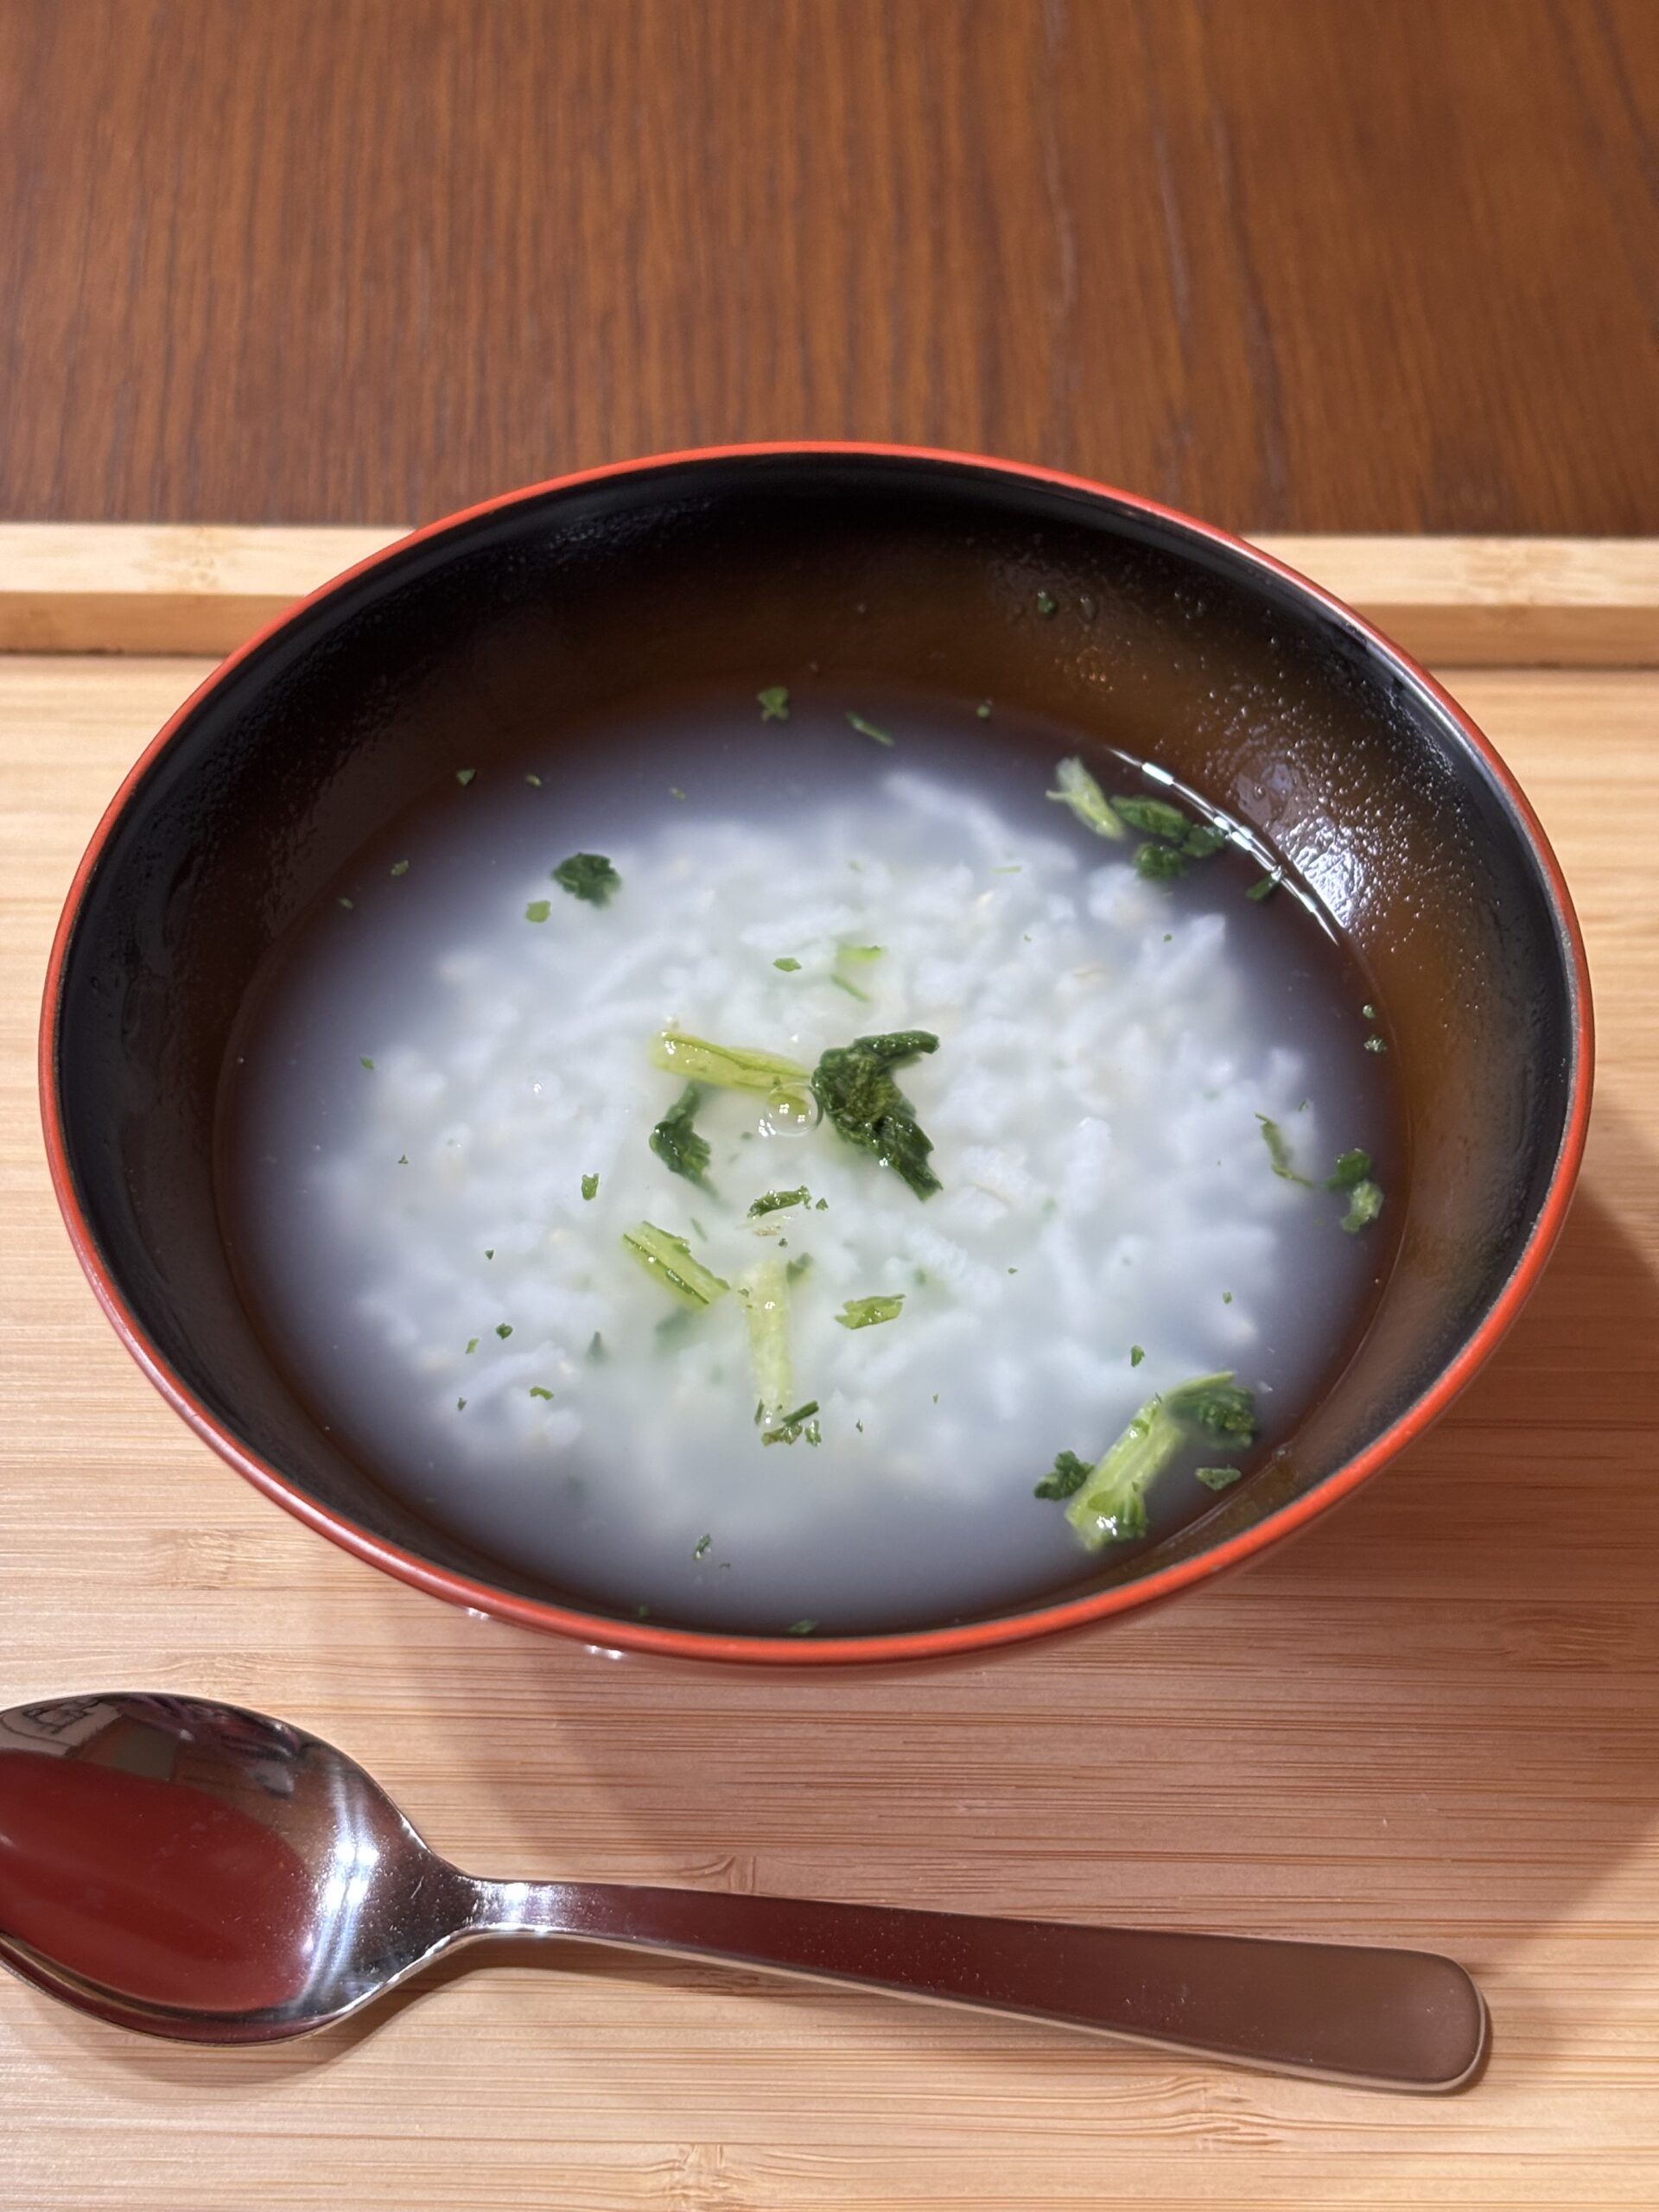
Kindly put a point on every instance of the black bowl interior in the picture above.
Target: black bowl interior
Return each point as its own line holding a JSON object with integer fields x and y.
{"x": 740, "y": 569}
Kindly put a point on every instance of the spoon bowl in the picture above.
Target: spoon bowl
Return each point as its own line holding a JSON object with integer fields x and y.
{"x": 192, "y": 1870}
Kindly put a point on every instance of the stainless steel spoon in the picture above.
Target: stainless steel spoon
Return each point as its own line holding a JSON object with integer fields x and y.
{"x": 195, "y": 1871}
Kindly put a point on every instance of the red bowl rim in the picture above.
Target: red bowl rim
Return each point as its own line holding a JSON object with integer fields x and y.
{"x": 643, "y": 1636}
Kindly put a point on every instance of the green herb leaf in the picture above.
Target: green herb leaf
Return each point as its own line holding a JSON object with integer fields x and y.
{"x": 669, "y": 1258}
{"x": 1279, "y": 1153}
{"x": 590, "y": 1187}
{"x": 870, "y": 1313}
{"x": 850, "y": 960}
{"x": 461, "y": 1405}
{"x": 504, "y": 1330}
{"x": 596, "y": 1351}
{"x": 800, "y": 1628}
{"x": 789, "y": 966}
{"x": 1079, "y": 790}
{"x": 1266, "y": 888}
{"x": 1217, "y": 1477}
{"x": 775, "y": 1201}
{"x": 854, "y": 1087}
{"x": 730, "y": 1067}
{"x": 1202, "y": 839}
{"x": 364, "y": 1061}
{"x": 798, "y": 1267}
{"x": 1159, "y": 863}
{"x": 1154, "y": 817}
{"x": 701, "y": 1546}
{"x": 400, "y": 867}
{"x": 538, "y": 910}
{"x": 984, "y": 711}
{"x": 589, "y": 876}
{"x": 774, "y": 703}
{"x": 1068, "y": 1476}
{"x": 1374, "y": 1044}
{"x": 868, "y": 729}
{"x": 348, "y": 904}
{"x": 678, "y": 1145}
{"x": 536, "y": 781}
{"x": 472, "y": 1344}
{"x": 1364, "y": 1204}
{"x": 536, "y": 1391}
{"x": 464, "y": 776}
{"x": 1136, "y": 1355}
{"x": 1110, "y": 1506}
{"x": 1351, "y": 1167}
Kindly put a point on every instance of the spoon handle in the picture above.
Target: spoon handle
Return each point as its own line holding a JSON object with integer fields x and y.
{"x": 1385, "y": 2019}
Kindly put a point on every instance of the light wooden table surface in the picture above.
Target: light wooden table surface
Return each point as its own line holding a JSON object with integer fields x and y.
{"x": 1432, "y": 1720}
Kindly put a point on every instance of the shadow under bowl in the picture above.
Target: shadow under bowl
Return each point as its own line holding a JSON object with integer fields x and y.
{"x": 726, "y": 566}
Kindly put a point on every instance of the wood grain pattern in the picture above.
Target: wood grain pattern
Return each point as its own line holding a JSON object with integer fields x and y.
{"x": 1311, "y": 264}
{"x": 1432, "y": 1720}
{"x": 201, "y": 588}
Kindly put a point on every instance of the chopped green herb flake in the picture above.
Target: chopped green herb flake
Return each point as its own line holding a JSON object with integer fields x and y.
{"x": 1351, "y": 1167}
{"x": 669, "y": 1258}
{"x": 1079, "y": 790}
{"x": 538, "y": 910}
{"x": 774, "y": 703}
{"x": 589, "y": 876}
{"x": 504, "y": 1330}
{"x": 1159, "y": 863}
{"x": 403, "y": 1159}
{"x": 984, "y": 711}
{"x": 1153, "y": 818}
{"x": 461, "y": 1405}
{"x": 870, "y": 1313}
{"x": 678, "y": 1145}
{"x": 1047, "y": 605}
{"x": 800, "y": 1628}
{"x": 1070, "y": 1473}
{"x": 1364, "y": 1204}
{"x": 596, "y": 1351}
{"x": 1136, "y": 1355}
{"x": 1374, "y": 1044}
{"x": 348, "y": 904}
{"x": 775, "y": 1201}
{"x": 674, "y": 792}
{"x": 464, "y": 776}
{"x": 590, "y": 1187}
{"x": 791, "y": 1427}
{"x": 1007, "y": 868}
{"x": 400, "y": 867}
{"x": 1279, "y": 1153}
{"x": 535, "y": 780}
{"x": 364, "y": 1061}
{"x": 1370, "y": 1013}
{"x": 489, "y": 1251}
{"x": 1217, "y": 1477}
{"x": 537, "y": 1391}
{"x": 854, "y": 1087}
{"x": 472, "y": 1344}
{"x": 1202, "y": 839}
{"x": 701, "y": 1546}
{"x": 789, "y": 966}
{"x": 1265, "y": 888}
{"x": 798, "y": 1267}
{"x": 1226, "y": 1297}
{"x": 868, "y": 729}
